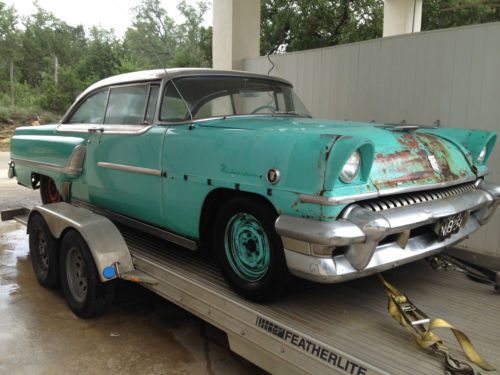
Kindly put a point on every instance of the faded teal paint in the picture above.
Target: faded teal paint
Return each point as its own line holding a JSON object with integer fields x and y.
{"x": 128, "y": 193}
{"x": 470, "y": 142}
{"x": 247, "y": 247}
{"x": 236, "y": 153}
{"x": 42, "y": 144}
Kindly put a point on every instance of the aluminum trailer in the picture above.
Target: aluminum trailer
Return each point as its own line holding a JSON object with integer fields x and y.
{"x": 321, "y": 329}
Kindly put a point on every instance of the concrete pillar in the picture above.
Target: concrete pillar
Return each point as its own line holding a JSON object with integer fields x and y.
{"x": 402, "y": 16}
{"x": 236, "y": 32}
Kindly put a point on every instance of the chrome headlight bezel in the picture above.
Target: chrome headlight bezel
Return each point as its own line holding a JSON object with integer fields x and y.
{"x": 351, "y": 168}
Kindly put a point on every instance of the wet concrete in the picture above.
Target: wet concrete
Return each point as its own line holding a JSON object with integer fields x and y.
{"x": 143, "y": 334}
{"x": 11, "y": 194}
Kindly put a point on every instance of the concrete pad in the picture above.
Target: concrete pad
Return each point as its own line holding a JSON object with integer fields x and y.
{"x": 143, "y": 334}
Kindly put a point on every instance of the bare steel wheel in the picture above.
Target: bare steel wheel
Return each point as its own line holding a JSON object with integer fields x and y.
{"x": 77, "y": 274}
{"x": 43, "y": 252}
{"x": 248, "y": 249}
{"x": 86, "y": 294}
{"x": 48, "y": 191}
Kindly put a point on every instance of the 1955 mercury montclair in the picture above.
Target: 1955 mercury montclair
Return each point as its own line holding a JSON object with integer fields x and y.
{"x": 233, "y": 162}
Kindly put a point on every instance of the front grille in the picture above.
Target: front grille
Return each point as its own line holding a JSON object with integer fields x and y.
{"x": 401, "y": 200}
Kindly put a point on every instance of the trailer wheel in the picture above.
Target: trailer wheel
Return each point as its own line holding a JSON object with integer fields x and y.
{"x": 43, "y": 252}
{"x": 48, "y": 191}
{"x": 249, "y": 251}
{"x": 86, "y": 295}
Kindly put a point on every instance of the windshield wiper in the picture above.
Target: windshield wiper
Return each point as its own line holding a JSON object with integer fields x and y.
{"x": 291, "y": 113}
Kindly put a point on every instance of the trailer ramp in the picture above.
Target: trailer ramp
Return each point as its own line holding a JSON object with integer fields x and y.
{"x": 319, "y": 329}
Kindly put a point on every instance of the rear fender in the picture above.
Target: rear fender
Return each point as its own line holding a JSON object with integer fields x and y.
{"x": 104, "y": 240}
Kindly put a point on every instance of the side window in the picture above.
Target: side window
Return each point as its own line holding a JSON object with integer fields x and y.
{"x": 152, "y": 100}
{"x": 173, "y": 107}
{"x": 221, "y": 106}
{"x": 91, "y": 111}
{"x": 126, "y": 105}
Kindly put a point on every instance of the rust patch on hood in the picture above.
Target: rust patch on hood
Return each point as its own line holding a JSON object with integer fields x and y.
{"x": 409, "y": 141}
{"x": 440, "y": 151}
{"x": 402, "y": 167}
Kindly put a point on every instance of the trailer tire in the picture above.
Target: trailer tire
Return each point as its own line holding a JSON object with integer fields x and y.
{"x": 249, "y": 251}
{"x": 43, "y": 252}
{"x": 86, "y": 295}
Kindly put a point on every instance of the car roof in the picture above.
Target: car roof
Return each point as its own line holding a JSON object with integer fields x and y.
{"x": 158, "y": 74}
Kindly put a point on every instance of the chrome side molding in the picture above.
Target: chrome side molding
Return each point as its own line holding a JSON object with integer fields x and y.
{"x": 130, "y": 168}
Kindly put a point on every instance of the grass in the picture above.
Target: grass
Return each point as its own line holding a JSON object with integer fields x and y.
{"x": 25, "y": 115}
{"x": 12, "y": 117}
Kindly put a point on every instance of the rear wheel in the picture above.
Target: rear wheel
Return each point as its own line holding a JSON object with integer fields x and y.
{"x": 48, "y": 190}
{"x": 249, "y": 251}
{"x": 86, "y": 295}
{"x": 43, "y": 252}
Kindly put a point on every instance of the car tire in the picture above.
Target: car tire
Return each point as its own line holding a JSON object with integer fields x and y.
{"x": 86, "y": 295}
{"x": 43, "y": 252}
{"x": 48, "y": 191}
{"x": 249, "y": 251}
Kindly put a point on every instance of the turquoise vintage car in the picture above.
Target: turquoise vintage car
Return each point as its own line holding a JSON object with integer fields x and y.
{"x": 233, "y": 162}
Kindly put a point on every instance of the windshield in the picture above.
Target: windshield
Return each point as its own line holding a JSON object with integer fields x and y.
{"x": 228, "y": 96}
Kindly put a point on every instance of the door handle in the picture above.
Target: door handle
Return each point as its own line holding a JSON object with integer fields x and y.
{"x": 96, "y": 130}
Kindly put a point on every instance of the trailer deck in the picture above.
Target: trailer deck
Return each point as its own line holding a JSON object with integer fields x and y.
{"x": 340, "y": 328}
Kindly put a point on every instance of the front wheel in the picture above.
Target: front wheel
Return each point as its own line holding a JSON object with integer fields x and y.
{"x": 86, "y": 295}
{"x": 249, "y": 251}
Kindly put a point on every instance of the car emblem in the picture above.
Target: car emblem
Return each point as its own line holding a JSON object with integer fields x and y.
{"x": 273, "y": 176}
{"x": 434, "y": 163}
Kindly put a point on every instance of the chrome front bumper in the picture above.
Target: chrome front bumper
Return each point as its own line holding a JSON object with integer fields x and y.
{"x": 364, "y": 242}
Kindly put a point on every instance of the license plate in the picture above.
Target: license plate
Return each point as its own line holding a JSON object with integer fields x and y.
{"x": 450, "y": 225}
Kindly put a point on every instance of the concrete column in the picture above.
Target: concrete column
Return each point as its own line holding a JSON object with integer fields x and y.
{"x": 402, "y": 16}
{"x": 236, "y": 32}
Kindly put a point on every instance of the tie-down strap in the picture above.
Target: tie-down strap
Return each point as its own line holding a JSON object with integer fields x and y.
{"x": 421, "y": 326}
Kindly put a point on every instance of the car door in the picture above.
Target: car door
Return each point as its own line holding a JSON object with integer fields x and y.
{"x": 123, "y": 162}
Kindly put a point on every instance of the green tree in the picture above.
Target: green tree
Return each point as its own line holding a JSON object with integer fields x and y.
{"x": 439, "y": 14}
{"x": 293, "y": 25}
{"x": 193, "y": 40}
{"x": 9, "y": 44}
{"x": 151, "y": 37}
{"x": 155, "y": 40}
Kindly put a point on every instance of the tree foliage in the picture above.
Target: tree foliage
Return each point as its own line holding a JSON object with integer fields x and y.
{"x": 293, "y": 25}
{"x": 439, "y": 14}
{"x": 41, "y": 47}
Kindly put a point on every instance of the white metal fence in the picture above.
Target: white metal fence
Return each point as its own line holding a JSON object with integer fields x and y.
{"x": 450, "y": 75}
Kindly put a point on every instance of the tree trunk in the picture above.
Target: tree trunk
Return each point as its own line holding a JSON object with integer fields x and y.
{"x": 11, "y": 74}
{"x": 56, "y": 70}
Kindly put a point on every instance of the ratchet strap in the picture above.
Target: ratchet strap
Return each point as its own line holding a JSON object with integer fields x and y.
{"x": 421, "y": 327}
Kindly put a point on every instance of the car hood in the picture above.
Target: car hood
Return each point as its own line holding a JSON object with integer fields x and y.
{"x": 401, "y": 157}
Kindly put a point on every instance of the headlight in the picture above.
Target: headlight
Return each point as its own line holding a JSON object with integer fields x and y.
{"x": 482, "y": 156}
{"x": 351, "y": 168}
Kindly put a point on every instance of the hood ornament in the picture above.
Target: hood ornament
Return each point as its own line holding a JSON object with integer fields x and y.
{"x": 404, "y": 126}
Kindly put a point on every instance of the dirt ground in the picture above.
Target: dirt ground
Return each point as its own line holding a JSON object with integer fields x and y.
{"x": 6, "y": 132}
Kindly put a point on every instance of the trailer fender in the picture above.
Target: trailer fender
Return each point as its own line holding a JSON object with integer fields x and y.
{"x": 104, "y": 240}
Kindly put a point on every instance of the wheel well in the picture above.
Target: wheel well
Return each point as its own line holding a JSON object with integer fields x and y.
{"x": 35, "y": 180}
{"x": 213, "y": 203}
